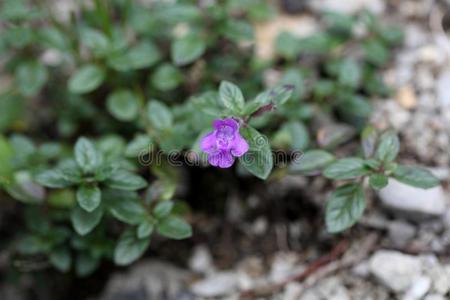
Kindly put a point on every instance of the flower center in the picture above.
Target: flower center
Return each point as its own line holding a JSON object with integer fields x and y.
{"x": 224, "y": 137}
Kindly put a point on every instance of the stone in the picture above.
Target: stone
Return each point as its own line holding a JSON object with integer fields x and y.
{"x": 415, "y": 36}
{"x": 434, "y": 297}
{"x": 395, "y": 270}
{"x": 329, "y": 288}
{"x": 439, "y": 274}
{"x": 424, "y": 78}
{"x": 446, "y": 218}
{"x": 292, "y": 291}
{"x": 201, "y": 260}
{"x": 284, "y": 265}
{"x": 432, "y": 54}
{"x": 400, "y": 233}
{"x": 149, "y": 279}
{"x": 332, "y": 288}
{"x": 412, "y": 202}
{"x": 349, "y": 6}
{"x": 442, "y": 88}
{"x": 406, "y": 97}
{"x": 361, "y": 270}
{"x": 418, "y": 289}
{"x": 216, "y": 285}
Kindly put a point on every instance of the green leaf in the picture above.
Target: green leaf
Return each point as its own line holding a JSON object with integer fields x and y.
{"x": 123, "y": 105}
{"x": 106, "y": 170}
{"x": 388, "y": 147}
{"x": 96, "y": 41}
{"x": 127, "y": 208}
{"x": 85, "y": 264}
{"x": 143, "y": 55}
{"x": 187, "y": 49}
{"x": 84, "y": 222}
{"x": 346, "y": 168}
{"x": 86, "y": 79}
{"x": 159, "y": 115}
{"x": 61, "y": 259}
{"x": 141, "y": 144}
{"x": 258, "y": 160}
{"x": 23, "y": 188}
{"x": 162, "y": 209}
{"x": 299, "y": 134}
{"x": 324, "y": 88}
{"x": 53, "y": 179}
{"x": 373, "y": 164}
{"x": 280, "y": 94}
{"x": 12, "y": 109}
{"x": 339, "y": 23}
{"x": 333, "y": 135}
{"x": 23, "y": 147}
{"x": 345, "y": 206}
{"x": 127, "y": 181}
{"x": 318, "y": 43}
{"x": 311, "y": 161}
{"x": 231, "y": 97}
{"x": 175, "y": 228}
{"x": 378, "y": 181}
{"x": 416, "y": 176}
{"x": 287, "y": 45}
{"x": 89, "y": 197}
{"x": 369, "y": 138}
{"x": 145, "y": 229}
{"x": 86, "y": 156}
{"x": 355, "y": 105}
{"x": 51, "y": 37}
{"x": 391, "y": 34}
{"x": 62, "y": 198}
{"x": 294, "y": 77}
{"x": 238, "y": 30}
{"x": 129, "y": 248}
{"x": 6, "y": 159}
{"x": 376, "y": 52}
{"x": 71, "y": 171}
{"x": 31, "y": 77}
{"x": 166, "y": 77}
{"x": 111, "y": 147}
{"x": 33, "y": 244}
{"x": 349, "y": 73}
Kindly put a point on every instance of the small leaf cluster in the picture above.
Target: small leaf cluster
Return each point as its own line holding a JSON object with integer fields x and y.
{"x": 377, "y": 163}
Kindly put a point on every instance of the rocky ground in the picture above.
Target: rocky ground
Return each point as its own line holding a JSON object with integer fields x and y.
{"x": 400, "y": 248}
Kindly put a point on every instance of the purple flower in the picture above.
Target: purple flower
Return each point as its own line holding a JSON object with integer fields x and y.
{"x": 224, "y": 143}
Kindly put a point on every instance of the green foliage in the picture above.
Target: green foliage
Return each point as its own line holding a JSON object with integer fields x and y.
{"x": 258, "y": 160}
{"x": 86, "y": 79}
{"x": 187, "y": 49}
{"x": 346, "y": 168}
{"x": 123, "y": 105}
{"x": 144, "y": 81}
{"x": 313, "y": 160}
{"x": 415, "y": 176}
{"x": 231, "y": 97}
{"x": 344, "y": 207}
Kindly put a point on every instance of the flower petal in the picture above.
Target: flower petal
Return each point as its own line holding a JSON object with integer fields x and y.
{"x": 208, "y": 143}
{"x": 226, "y": 122}
{"x": 222, "y": 159}
{"x": 240, "y": 146}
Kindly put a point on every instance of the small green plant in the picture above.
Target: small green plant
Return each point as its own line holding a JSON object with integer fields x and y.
{"x": 148, "y": 82}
